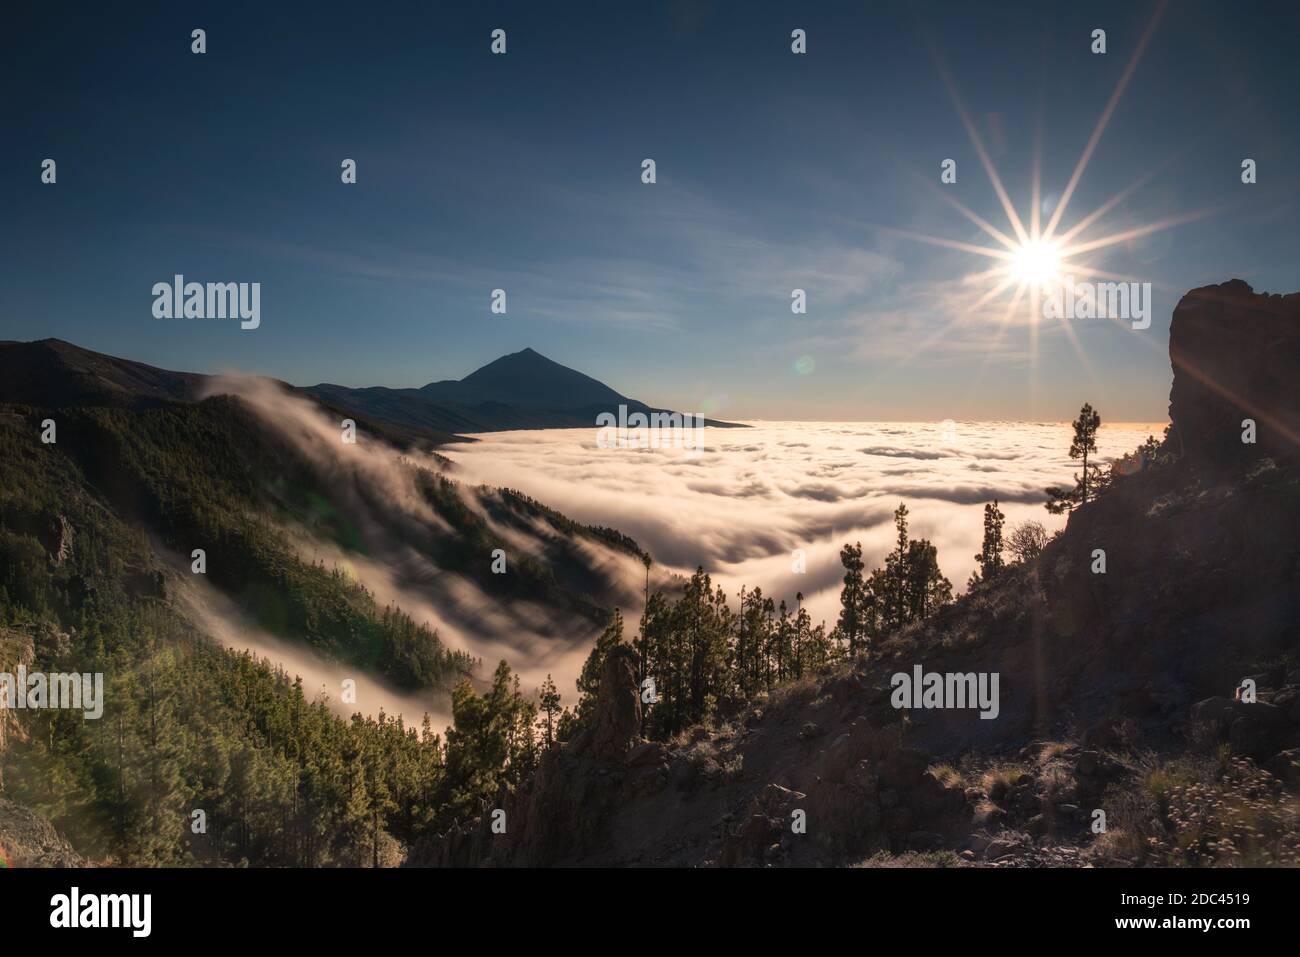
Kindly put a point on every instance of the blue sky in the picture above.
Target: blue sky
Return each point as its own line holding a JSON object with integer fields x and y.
{"x": 522, "y": 171}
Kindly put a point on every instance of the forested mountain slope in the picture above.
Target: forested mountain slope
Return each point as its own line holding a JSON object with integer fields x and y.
{"x": 98, "y": 535}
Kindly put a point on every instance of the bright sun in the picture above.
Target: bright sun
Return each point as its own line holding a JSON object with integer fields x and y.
{"x": 1033, "y": 260}
{"x": 1036, "y": 263}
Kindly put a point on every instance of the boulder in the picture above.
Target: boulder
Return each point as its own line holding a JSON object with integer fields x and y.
{"x": 1285, "y": 766}
{"x": 766, "y": 823}
{"x": 1288, "y": 700}
{"x": 29, "y": 840}
{"x": 1258, "y": 730}
{"x": 810, "y": 730}
{"x": 1212, "y": 716}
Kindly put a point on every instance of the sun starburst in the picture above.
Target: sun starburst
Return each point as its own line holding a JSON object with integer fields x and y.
{"x": 1031, "y": 259}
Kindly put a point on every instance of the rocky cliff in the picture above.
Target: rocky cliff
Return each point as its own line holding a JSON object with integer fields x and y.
{"x": 1235, "y": 354}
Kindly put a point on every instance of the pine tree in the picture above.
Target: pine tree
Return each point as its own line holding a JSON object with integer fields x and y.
{"x": 926, "y": 590}
{"x": 852, "y": 625}
{"x": 891, "y": 582}
{"x": 642, "y": 643}
{"x": 549, "y": 697}
{"x": 1085, "y": 440}
{"x": 1060, "y": 499}
{"x": 990, "y": 556}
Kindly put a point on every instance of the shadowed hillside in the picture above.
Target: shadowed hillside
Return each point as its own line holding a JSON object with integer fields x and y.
{"x": 53, "y": 374}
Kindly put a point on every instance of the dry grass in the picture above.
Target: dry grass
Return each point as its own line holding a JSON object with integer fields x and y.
{"x": 1243, "y": 819}
{"x": 1050, "y": 751}
{"x": 796, "y": 693}
{"x": 912, "y": 859}
{"x": 1057, "y": 780}
{"x": 947, "y": 775}
{"x": 1201, "y": 812}
{"x": 1000, "y": 779}
{"x": 733, "y": 766}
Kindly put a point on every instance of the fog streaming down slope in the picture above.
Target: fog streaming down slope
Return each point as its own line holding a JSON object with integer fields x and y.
{"x": 374, "y": 485}
{"x": 221, "y": 619}
{"x": 743, "y": 507}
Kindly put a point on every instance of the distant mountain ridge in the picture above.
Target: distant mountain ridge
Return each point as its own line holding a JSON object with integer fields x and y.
{"x": 522, "y": 390}
{"x": 54, "y": 374}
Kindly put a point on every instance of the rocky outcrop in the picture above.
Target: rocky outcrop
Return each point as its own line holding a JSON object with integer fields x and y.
{"x": 1261, "y": 729}
{"x": 15, "y": 649}
{"x": 617, "y": 723}
{"x": 52, "y": 529}
{"x": 26, "y": 838}
{"x": 29, "y": 840}
{"x": 1235, "y": 355}
{"x": 864, "y": 792}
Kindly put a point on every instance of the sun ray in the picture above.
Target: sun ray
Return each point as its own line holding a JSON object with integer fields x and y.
{"x": 1272, "y": 421}
{"x": 975, "y": 218}
{"x": 947, "y": 243}
{"x": 982, "y": 153}
{"x": 1139, "y": 231}
{"x": 1073, "y": 338}
{"x": 996, "y": 272}
{"x": 1035, "y": 310}
{"x": 1036, "y": 189}
{"x": 1111, "y": 203}
{"x": 1103, "y": 122}
{"x": 1084, "y": 269}
{"x": 961, "y": 317}
{"x": 1003, "y": 322}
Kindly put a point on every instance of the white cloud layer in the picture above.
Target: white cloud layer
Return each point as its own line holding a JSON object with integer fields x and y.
{"x": 755, "y": 495}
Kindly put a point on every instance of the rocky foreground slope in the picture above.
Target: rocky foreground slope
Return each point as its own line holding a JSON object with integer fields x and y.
{"x": 1119, "y": 737}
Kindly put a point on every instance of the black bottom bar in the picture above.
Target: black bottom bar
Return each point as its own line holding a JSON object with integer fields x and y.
{"x": 934, "y": 906}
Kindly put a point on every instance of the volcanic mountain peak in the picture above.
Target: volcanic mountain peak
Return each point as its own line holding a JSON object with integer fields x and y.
{"x": 526, "y": 379}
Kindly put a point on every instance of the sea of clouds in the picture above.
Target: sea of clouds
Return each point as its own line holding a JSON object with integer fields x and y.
{"x": 740, "y": 508}
{"x": 755, "y": 495}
